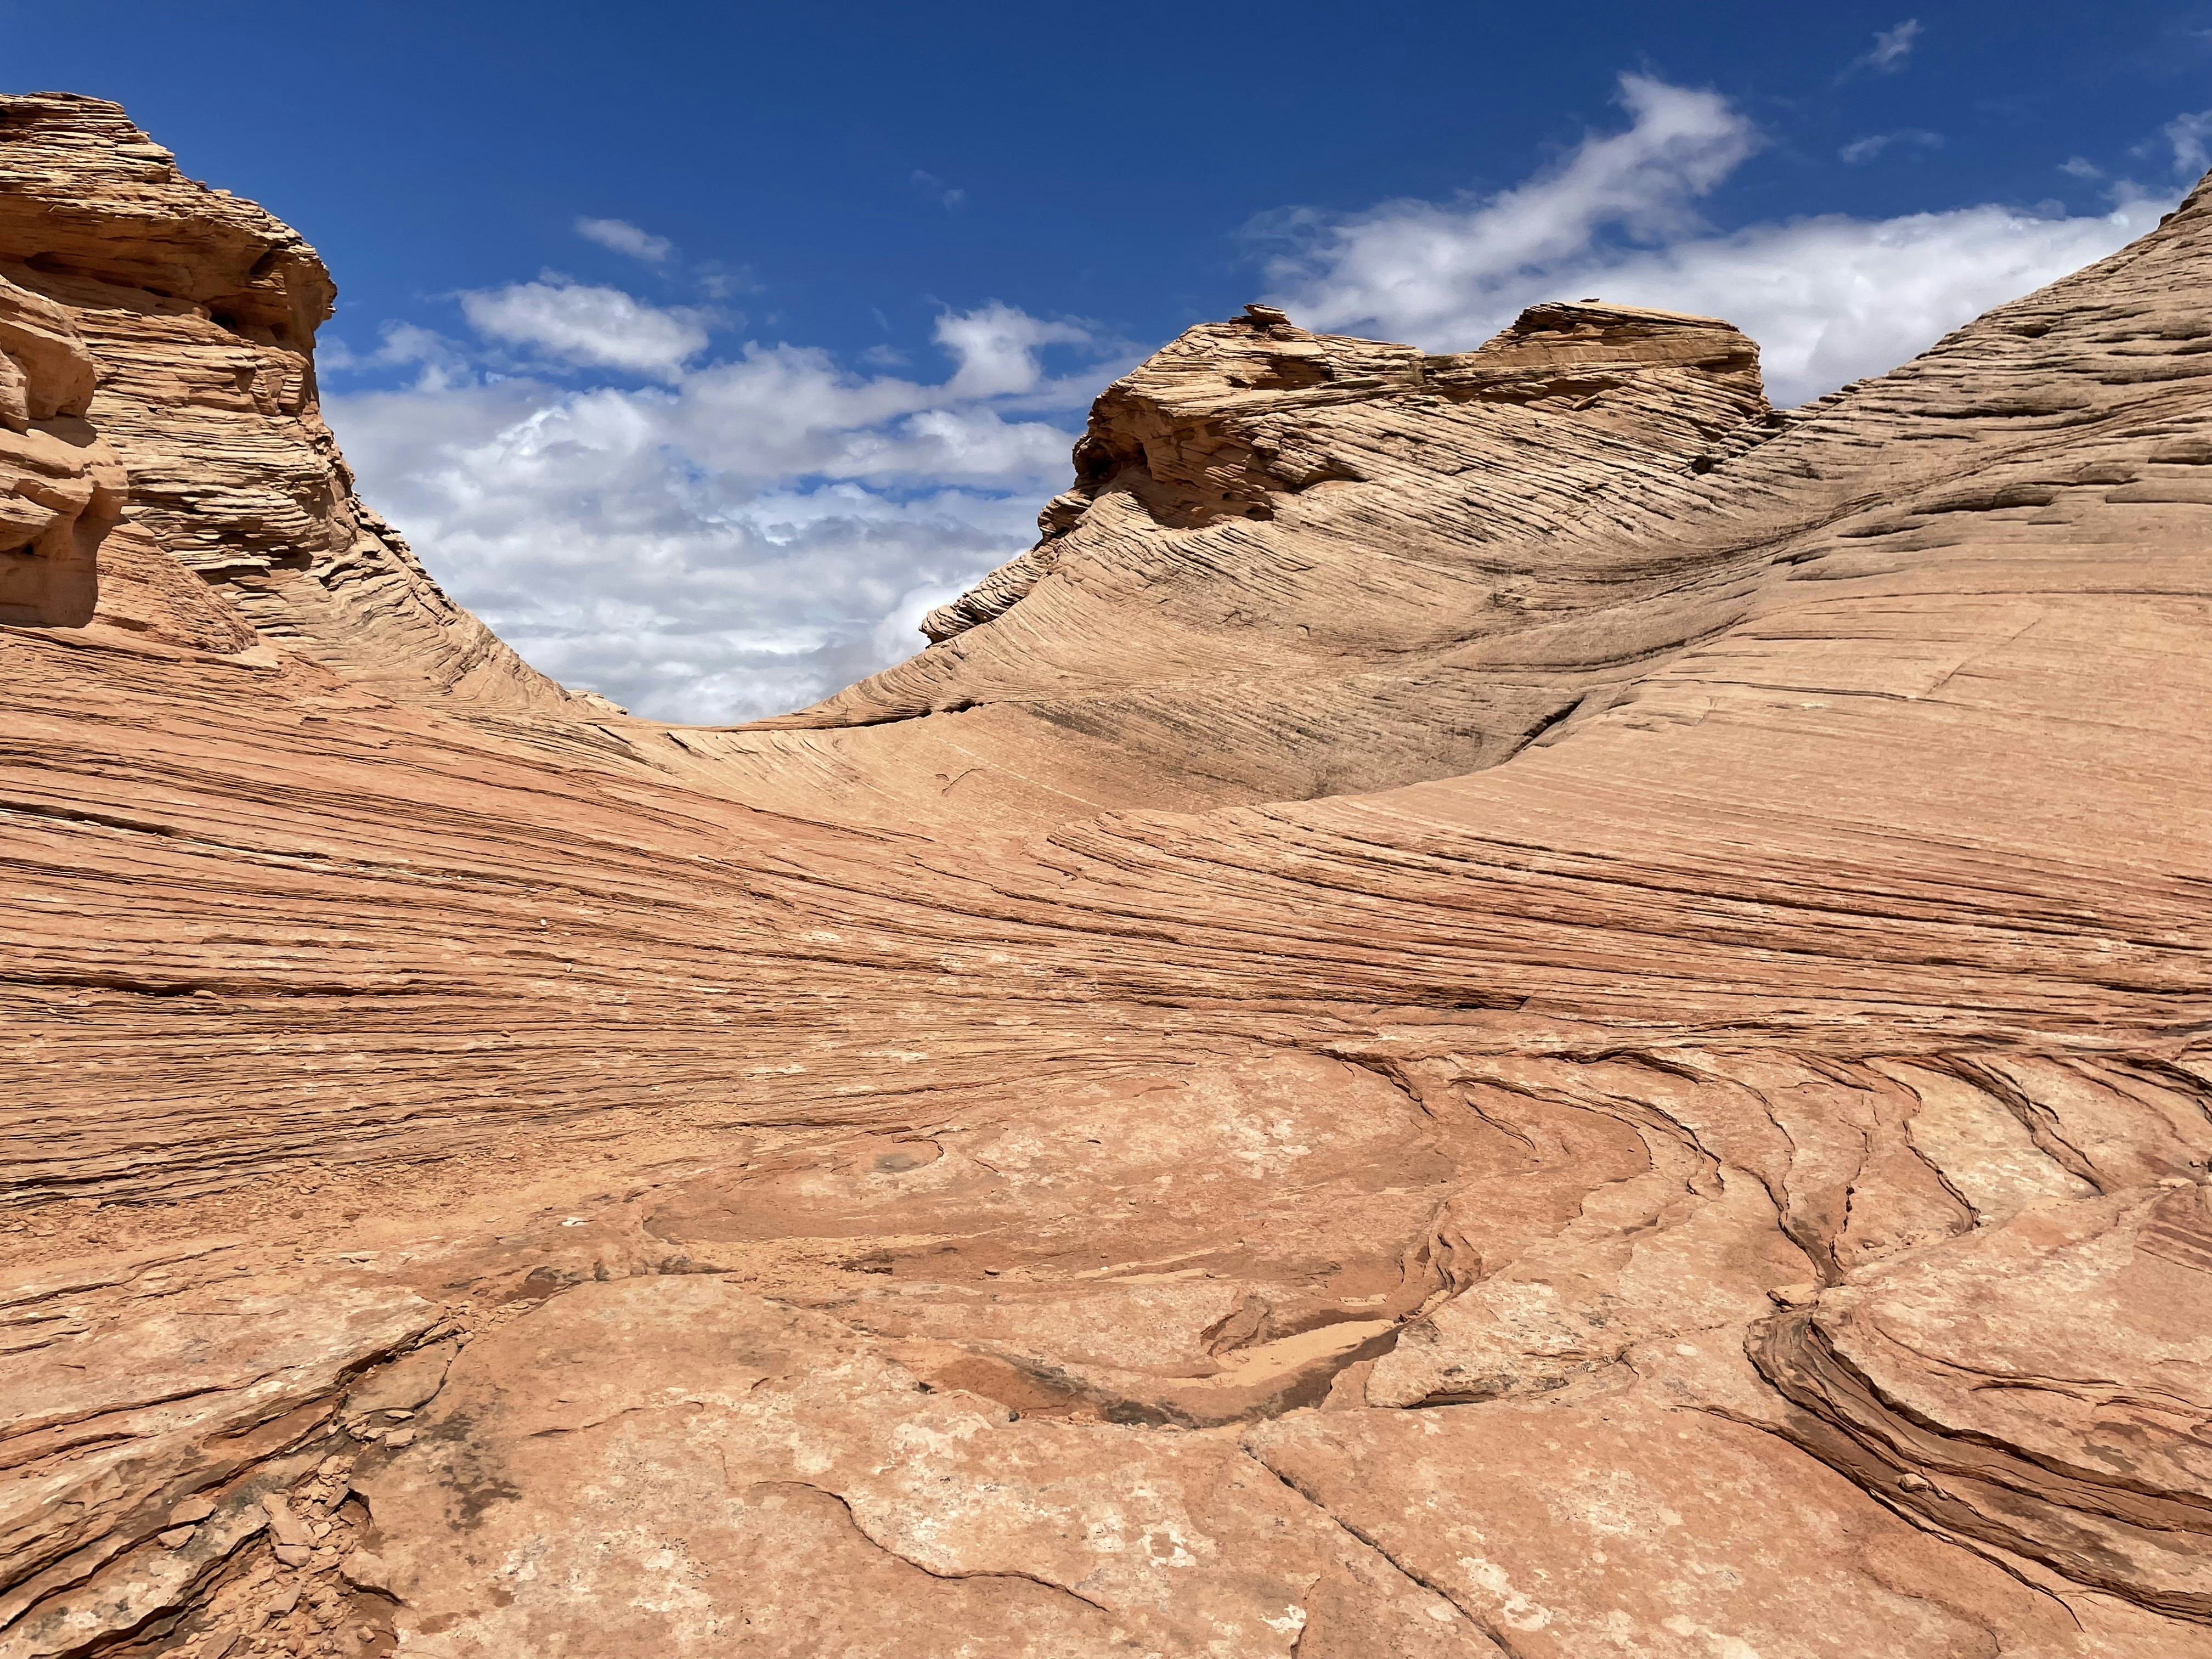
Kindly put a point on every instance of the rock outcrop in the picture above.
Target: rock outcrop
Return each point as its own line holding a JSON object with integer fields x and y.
{"x": 194, "y": 313}
{"x": 1498, "y": 1004}
{"x": 1451, "y": 617}
{"x": 63, "y": 485}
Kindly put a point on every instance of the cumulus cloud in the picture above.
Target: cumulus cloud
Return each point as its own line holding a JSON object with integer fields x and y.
{"x": 1830, "y": 299}
{"x": 742, "y": 538}
{"x": 1834, "y": 299}
{"x": 623, "y": 237}
{"x": 997, "y": 347}
{"x": 575, "y": 324}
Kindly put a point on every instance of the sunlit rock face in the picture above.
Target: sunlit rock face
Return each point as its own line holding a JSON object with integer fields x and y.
{"x": 179, "y": 321}
{"x": 1497, "y": 1004}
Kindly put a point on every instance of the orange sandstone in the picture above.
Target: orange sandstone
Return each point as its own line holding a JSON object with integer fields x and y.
{"x": 1497, "y": 1004}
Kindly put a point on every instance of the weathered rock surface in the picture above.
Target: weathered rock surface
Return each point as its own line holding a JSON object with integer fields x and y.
{"x": 1501, "y": 1004}
{"x": 61, "y": 487}
{"x": 195, "y": 312}
{"x": 1450, "y": 619}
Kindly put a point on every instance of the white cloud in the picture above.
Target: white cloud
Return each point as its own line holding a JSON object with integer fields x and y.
{"x": 1865, "y": 149}
{"x": 1834, "y": 299}
{"x": 892, "y": 639}
{"x": 996, "y": 347}
{"x": 437, "y": 359}
{"x": 1891, "y": 46}
{"x": 745, "y": 538}
{"x": 623, "y": 237}
{"x": 1829, "y": 299}
{"x": 592, "y": 327}
{"x": 1425, "y": 269}
{"x": 2189, "y": 134}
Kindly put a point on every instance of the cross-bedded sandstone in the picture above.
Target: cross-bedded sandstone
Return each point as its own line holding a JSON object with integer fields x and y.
{"x": 1501, "y": 1004}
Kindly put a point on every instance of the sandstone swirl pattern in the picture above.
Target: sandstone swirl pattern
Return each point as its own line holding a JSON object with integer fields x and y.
{"x": 1501, "y": 1004}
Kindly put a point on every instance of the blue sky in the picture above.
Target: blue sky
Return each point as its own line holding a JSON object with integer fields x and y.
{"x": 701, "y": 347}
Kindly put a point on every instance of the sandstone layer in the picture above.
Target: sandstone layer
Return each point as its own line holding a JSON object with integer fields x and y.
{"x": 1502, "y": 1004}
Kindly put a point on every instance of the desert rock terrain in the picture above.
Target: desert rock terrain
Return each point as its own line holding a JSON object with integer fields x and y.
{"x": 1502, "y": 1004}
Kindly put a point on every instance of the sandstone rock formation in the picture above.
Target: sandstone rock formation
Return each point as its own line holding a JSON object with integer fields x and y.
{"x": 195, "y": 312}
{"x": 1502, "y": 1004}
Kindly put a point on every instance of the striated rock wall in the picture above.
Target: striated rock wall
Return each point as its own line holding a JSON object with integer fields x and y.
{"x": 61, "y": 487}
{"x": 1307, "y": 541}
{"x": 1501, "y": 1005}
{"x": 194, "y": 314}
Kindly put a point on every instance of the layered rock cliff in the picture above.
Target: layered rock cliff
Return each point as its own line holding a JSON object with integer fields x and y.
{"x": 1500, "y": 1003}
{"x": 189, "y": 316}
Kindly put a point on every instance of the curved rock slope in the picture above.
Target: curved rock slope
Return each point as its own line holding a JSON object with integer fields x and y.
{"x": 1706, "y": 1157}
{"x": 1296, "y": 564}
